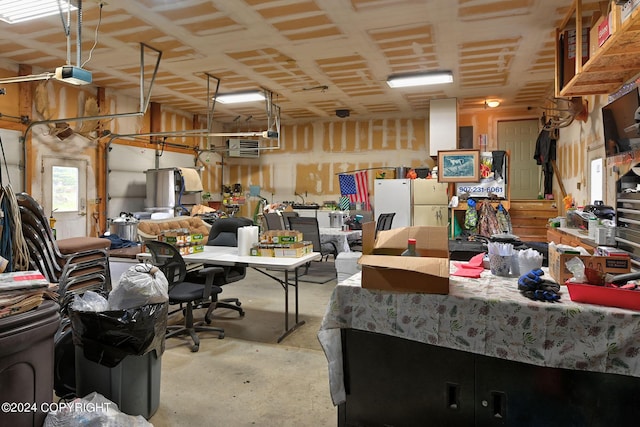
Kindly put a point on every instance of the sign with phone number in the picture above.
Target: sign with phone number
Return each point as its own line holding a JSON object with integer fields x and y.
{"x": 482, "y": 189}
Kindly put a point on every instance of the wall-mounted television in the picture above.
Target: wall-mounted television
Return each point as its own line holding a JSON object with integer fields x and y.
{"x": 620, "y": 122}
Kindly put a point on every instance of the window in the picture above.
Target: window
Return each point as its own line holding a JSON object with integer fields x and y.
{"x": 596, "y": 179}
{"x": 66, "y": 189}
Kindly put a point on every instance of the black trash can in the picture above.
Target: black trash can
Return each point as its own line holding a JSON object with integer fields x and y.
{"x": 119, "y": 355}
{"x": 26, "y": 364}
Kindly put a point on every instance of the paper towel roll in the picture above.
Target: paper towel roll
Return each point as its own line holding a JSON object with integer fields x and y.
{"x": 247, "y": 236}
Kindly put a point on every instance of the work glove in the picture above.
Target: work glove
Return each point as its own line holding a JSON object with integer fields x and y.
{"x": 534, "y": 287}
{"x": 530, "y": 281}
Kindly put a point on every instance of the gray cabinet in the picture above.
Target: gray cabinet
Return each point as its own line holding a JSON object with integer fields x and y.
{"x": 391, "y": 381}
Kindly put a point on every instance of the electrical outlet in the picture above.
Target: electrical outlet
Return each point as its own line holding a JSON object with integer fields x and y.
{"x": 579, "y": 185}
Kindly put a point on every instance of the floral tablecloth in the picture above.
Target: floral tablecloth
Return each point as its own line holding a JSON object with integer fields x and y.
{"x": 487, "y": 316}
{"x": 339, "y": 238}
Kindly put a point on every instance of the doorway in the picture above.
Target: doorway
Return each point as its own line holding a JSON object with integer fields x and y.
{"x": 64, "y": 195}
{"x": 519, "y": 138}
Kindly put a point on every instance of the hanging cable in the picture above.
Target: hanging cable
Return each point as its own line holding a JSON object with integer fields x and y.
{"x": 95, "y": 43}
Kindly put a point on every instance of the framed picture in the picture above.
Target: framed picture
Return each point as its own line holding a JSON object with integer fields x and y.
{"x": 459, "y": 166}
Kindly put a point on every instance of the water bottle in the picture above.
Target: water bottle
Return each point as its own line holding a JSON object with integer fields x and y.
{"x": 411, "y": 248}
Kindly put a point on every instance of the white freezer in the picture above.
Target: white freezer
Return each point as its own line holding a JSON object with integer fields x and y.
{"x": 393, "y": 195}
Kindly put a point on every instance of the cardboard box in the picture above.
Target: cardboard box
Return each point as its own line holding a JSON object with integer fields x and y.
{"x": 384, "y": 268}
{"x": 294, "y": 250}
{"x": 281, "y": 236}
{"x": 606, "y": 264}
{"x": 286, "y": 250}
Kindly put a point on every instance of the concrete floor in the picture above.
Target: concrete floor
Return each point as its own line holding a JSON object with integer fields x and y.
{"x": 247, "y": 378}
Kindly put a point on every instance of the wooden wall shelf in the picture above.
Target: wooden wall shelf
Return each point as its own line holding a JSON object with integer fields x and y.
{"x": 612, "y": 65}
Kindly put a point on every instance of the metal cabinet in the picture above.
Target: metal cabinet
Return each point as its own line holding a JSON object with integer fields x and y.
{"x": 391, "y": 381}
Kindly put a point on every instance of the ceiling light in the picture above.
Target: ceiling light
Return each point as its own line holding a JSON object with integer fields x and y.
{"x": 492, "y": 104}
{"x": 422, "y": 79}
{"x": 14, "y": 11}
{"x": 234, "y": 98}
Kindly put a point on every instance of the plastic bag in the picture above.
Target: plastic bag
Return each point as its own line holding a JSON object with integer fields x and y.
{"x": 90, "y": 301}
{"x": 140, "y": 285}
{"x": 92, "y": 410}
{"x": 576, "y": 267}
{"x": 108, "y": 337}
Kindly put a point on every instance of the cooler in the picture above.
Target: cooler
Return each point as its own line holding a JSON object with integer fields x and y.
{"x": 26, "y": 363}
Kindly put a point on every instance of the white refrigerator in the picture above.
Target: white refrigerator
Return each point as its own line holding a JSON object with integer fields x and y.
{"x": 415, "y": 201}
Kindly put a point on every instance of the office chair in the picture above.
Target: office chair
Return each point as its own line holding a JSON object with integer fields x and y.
{"x": 311, "y": 232}
{"x": 224, "y": 232}
{"x": 185, "y": 293}
{"x": 273, "y": 221}
{"x": 384, "y": 221}
{"x": 285, "y": 218}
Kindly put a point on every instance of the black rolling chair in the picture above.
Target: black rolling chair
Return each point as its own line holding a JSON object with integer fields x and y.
{"x": 385, "y": 220}
{"x": 186, "y": 294}
{"x": 224, "y": 232}
{"x": 285, "y": 218}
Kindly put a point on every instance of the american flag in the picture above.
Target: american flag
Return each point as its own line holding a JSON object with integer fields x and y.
{"x": 356, "y": 187}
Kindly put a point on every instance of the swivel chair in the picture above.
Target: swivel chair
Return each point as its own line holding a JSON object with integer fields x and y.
{"x": 185, "y": 293}
{"x": 224, "y": 232}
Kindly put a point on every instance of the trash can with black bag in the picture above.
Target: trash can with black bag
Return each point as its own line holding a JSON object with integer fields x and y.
{"x": 26, "y": 364}
{"x": 118, "y": 351}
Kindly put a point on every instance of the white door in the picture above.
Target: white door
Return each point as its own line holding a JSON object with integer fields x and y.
{"x": 519, "y": 138}
{"x": 64, "y": 188}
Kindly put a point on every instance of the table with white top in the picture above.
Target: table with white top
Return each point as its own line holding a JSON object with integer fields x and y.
{"x": 228, "y": 256}
{"x": 340, "y": 238}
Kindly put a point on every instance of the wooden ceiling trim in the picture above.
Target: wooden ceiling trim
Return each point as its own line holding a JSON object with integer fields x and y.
{"x": 413, "y": 62}
{"x": 405, "y": 32}
{"x": 303, "y": 23}
{"x": 314, "y": 34}
{"x": 212, "y": 26}
{"x": 378, "y": 4}
{"x": 145, "y": 35}
{"x": 176, "y": 14}
{"x": 494, "y": 9}
{"x": 290, "y": 9}
{"x": 424, "y": 43}
{"x": 408, "y": 52}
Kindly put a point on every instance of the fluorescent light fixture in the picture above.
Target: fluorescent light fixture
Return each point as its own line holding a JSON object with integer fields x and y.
{"x": 493, "y": 103}
{"x": 422, "y": 79}
{"x": 14, "y": 11}
{"x": 234, "y": 98}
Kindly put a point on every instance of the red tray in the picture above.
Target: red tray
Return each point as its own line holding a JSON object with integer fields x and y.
{"x": 622, "y": 298}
